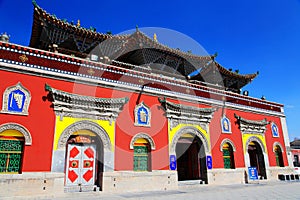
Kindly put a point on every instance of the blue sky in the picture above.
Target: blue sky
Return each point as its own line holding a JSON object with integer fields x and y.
{"x": 250, "y": 36}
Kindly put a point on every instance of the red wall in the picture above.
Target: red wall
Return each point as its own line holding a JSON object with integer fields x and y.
{"x": 41, "y": 119}
{"x": 39, "y": 122}
{"x": 236, "y": 137}
{"x": 125, "y": 130}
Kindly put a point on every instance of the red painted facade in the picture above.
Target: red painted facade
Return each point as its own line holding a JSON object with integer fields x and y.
{"x": 41, "y": 119}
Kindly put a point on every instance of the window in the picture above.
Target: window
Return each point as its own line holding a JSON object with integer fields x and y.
{"x": 296, "y": 161}
{"x": 228, "y": 156}
{"x": 11, "y": 155}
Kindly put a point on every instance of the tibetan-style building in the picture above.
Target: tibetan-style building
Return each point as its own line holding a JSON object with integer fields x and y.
{"x": 87, "y": 111}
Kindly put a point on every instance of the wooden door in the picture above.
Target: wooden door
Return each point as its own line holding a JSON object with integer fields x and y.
{"x": 80, "y": 169}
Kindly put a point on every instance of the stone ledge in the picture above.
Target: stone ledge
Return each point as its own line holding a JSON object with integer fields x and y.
{"x": 31, "y": 175}
{"x": 120, "y": 181}
{"x": 31, "y": 183}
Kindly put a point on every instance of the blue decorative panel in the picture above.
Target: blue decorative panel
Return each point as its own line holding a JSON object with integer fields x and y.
{"x": 173, "y": 162}
{"x": 225, "y": 125}
{"x": 16, "y": 100}
{"x": 275, "y": 130}
{"x": 209, "y": 162}
{"x": 142, "y": 115}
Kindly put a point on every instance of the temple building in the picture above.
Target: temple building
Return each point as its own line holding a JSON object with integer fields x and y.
{"x": 295, "y": 149}
{"x": 89, "y": 111}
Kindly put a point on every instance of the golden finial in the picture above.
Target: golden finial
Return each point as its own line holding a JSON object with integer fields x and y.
{"x": 155, "y": 37}
{"x": 78, "y": 23}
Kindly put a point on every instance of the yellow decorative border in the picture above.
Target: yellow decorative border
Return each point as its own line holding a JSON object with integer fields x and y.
{"x": 260, "y": 137}
{"x": 61, "y": 125}
{"x": 174, "y": 130}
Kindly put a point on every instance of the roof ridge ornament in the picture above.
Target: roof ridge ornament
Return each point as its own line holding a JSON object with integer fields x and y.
{"x": 34, "y": 3}
{"x": 4, "y": 37}
{"x": 155, "y": 37}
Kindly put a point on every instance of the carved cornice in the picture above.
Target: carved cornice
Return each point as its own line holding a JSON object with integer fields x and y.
{"x": 74, "y": 105}
{"x": 252, "y": 126}
{"x": 178, "y": 113}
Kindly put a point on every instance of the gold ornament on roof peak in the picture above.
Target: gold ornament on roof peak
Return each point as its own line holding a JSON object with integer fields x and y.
{"x": 155, "y": 37}
{"x": 78, "y": 23}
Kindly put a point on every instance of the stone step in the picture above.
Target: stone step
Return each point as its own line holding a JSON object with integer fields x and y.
{"x": 82, "y": 188}
{"x": 190, "y": 183}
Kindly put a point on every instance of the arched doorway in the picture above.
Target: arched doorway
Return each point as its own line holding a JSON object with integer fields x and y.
{"x": 13, "y": 138}
{"x": 11, "y": 152}
{"x": 191, "y": 158}
{"x": 142, "y": 155}
{"x": 84, "y": 159}
{"x": 87, "y": 153}
{"x": 142, "y": 144}
{"x": 257, "y": 158}
{"x": 228, "y": 156}
{"x": 278, "y": 156}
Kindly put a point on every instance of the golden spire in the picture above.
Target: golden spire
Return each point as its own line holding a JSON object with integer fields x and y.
{"x": 155, "y": 37}
{"x": 78, "y": 23}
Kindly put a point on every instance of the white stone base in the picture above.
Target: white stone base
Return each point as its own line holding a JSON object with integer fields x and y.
{"x": 130, "y": 181}
{"x": 226, "y": 176}
{"x": 31, "y": 183}
{"x": 49, "y": 183}
{"x": 274, "y": 171}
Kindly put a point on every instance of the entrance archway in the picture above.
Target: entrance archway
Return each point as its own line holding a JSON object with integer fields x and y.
{"x": 256, "y": 158}
{"x": 84, "y": 159}
{"x": 87, "y": 154}
{"x": 191, "y": 159}
{"x": 190, "y": 147}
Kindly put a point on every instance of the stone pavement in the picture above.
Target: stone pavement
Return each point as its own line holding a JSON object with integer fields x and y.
{"x": 263, "y": 190}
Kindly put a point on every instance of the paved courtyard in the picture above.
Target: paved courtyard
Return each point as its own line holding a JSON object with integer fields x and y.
{"x": 261, "y": 191}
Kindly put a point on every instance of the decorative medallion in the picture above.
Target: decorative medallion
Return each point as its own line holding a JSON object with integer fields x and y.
{"x": 16, "y": 100}
{"x": 91, "y": 72}
{"x": 23, "y": 58}
{"x": 225, "y": 125}
{"x": 141, "y": 81}
{"x": 275, "y": 131}
{"x": 142, "y": 115}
